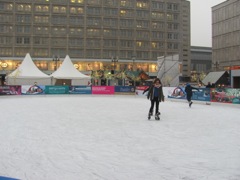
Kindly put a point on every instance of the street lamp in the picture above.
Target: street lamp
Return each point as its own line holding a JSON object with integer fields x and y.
{"x": 114, "y": 60}
{"x": 133, "y": 61}
{"x": 216, "y": 65}
{"x": 55, "y": 60}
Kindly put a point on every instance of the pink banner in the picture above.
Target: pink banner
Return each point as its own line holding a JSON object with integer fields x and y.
{"x": 102, "y": 89}
{"x": 10, "y": 90}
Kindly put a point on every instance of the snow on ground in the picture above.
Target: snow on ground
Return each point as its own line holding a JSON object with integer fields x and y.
{"x": 87, "y": 137}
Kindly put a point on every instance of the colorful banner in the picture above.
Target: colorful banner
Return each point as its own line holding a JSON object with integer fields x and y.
{"x": 140, "y": 89}
{"x": 10, "y": 90}
{"x": 80, "y": 90}
{"x": 102, "y": 89}
{"x": 202, "y": 95}
{"x": 177, "y": 93}
{"x": 32, "y": 89}
{"x": 225, "y": 95}
{"x": 124, "y": 89}
{"x": 57, "y": 89}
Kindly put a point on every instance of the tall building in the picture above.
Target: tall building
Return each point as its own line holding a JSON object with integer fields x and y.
{"x": 96, "y": 34}
{"x": 226, "y": 35}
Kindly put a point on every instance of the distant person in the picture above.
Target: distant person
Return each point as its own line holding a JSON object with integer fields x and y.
{"x": 188, "y": 90}
{"x": 155, "y": 95}
{"x": 209, "y": 85}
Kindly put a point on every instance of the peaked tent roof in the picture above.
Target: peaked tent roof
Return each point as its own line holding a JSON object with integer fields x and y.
{"x": 213, "y": 77}
{"x": 68, "y": 71}
{"x": 28, "y": 69}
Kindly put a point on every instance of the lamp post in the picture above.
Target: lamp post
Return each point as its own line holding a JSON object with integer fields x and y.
{"x": 114, "y": 60}
{"x": 55, "y": 60}
{"x": 216, "y": 65}
{"x": 133, "y": 61}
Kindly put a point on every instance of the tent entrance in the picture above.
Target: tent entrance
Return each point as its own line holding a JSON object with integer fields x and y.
{"x": 60, "y": 82}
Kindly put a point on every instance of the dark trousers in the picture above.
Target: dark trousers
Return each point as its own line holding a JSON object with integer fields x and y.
{"x": 153, "y": 101}
{"x": 189, "y": 98}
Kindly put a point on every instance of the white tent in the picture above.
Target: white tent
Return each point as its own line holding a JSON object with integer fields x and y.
{"x": 67, "y": 74}
{"x": 28, "y": 73}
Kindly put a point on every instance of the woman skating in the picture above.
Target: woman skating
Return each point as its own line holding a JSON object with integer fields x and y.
{"x": 155, "y": 95}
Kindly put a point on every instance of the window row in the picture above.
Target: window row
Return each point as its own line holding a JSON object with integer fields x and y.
{"x": 89, "y": 42}
{"x": 63, "y": 9}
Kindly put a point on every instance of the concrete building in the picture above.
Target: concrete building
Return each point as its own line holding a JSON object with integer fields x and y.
{"x": 201, "y": 59}
{"x": 226, "y": 39}
{"x": 96, "y": 34}
{"x": 226, "y": 35}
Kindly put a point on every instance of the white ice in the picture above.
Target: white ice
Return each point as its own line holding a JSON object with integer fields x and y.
{"x": 87, "y": 137}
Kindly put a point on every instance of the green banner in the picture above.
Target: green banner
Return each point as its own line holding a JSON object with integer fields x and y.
{"x": 57, "y": 90}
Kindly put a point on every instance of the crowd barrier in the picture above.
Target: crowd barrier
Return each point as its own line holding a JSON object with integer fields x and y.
{"x": 223, "y": 95}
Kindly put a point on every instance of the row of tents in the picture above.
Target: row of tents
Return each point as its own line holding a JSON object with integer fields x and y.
{"x": 28, "y": 73}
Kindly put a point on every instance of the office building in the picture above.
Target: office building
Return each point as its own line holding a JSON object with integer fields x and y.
{"x": 96, "y": 34}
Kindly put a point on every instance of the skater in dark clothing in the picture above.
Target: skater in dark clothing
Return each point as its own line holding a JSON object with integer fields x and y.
{"x": 155, "y": 95}
{"x": 188, "y": 90}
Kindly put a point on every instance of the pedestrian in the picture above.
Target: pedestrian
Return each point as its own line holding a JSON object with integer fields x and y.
{"x": 188, "y": 90}
{"x": 155, "y": 95}
{"x": 209, "y": 85}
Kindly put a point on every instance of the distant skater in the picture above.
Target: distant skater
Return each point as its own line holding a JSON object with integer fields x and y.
{"x": 188, "y": 90}
{"x": 155, "y": 95}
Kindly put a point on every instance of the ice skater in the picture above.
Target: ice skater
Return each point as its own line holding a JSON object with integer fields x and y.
{"x": 188, "y": 90}
{"x": 155, "y": 95}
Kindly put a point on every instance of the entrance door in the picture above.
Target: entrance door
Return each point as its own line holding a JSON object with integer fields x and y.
{"x": 236, "y": 82}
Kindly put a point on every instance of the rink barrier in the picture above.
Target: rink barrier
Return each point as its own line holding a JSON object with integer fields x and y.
{"x": 222, "y": 95}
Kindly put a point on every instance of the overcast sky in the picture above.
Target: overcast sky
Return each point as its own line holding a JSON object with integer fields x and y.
{"x": 201, "y": 22}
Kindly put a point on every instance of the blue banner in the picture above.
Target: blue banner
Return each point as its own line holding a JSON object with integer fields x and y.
{"x": 202, "y": 95}
{"x": 80, "y": 90}
{"x": 33, "y": 89}
{"x": 123, "y": 89}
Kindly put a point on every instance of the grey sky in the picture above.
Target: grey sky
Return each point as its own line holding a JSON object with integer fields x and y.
{"x": 201, "y": 22}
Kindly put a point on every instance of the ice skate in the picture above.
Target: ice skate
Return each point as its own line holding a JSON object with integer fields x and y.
{"x": 149, "y": 115}
{"x": 157, "y": 117}
{"x": 190, "y": 104}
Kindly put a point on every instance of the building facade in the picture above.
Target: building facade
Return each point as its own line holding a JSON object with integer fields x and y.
{"x": 201, "y": 59}
{"x": 96, "y": 34}
{"x": 226, "y": 35}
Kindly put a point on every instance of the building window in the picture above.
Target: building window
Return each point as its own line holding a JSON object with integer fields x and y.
{"x": 59, "y": 9}
{"x": 110, "y": 43}
{"x": 93, "y": 32}
{"x": 142, "y": 4}
{"x": 158, "y": 5}
{"x": 76, "y": 10}
{"x": 22, "y": 40}
{"x": 94, "y": 2}
{"x": 77, "y": 1}
{"x": 76, "y": 31}
{"x": 157, "y": 15}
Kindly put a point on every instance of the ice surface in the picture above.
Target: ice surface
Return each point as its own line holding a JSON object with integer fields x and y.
{"x": 88, "y": 137}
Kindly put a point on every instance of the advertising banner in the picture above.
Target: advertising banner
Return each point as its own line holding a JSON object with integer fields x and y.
{"x": 225, "y": 95}
{"x": 202, "y": 95}
{"x": 80, "y": 90}
{"x": 102, "y": 89}
{"x": 124, "y": 89}
{"x": 140, "y": 89}
{"x": 57, "y": 90}
{"x": 177, "y": 93}
{"x": 10, "y": 90}
{"x": 32, "y": 89}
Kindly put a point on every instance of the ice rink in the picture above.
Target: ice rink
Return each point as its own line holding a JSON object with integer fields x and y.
{"x": 87, "y": 137}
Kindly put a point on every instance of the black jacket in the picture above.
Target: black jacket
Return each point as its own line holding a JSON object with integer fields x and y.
{"x": 151, "y": 93}
{"x": 188, "y": 89}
